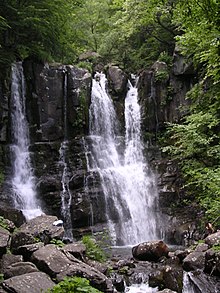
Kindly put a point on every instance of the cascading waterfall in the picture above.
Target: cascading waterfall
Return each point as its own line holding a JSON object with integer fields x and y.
{"x": 129, "y": 189}
{"x": 66, "y": 196}
{"x": 23, "y": 180}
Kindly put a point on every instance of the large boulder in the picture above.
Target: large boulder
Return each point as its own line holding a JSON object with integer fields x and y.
{"x": 213, "y": 239}
{"x": 19, "y": 268}
{"x": 36, "y": 282}
{"x": 58, "y": 264}
{"x": 212, "y": 262}
{"x": 194, "y": 261}
{"x": 40, "y": 228}
{"x": 8, "y": 260}
{"x": 150, "y": 251}
{"x": 117, "y": 81}
{"x": 4, "y": 240}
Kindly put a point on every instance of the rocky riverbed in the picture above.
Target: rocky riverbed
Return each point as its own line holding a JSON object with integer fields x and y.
{"x": 31, "y": 261}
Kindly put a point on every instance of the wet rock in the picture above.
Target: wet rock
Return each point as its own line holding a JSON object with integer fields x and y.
{"x": 117, "y": 80}
{"x": 173, "y": 278}
{"x": 150, "y": 251}
{"x": 19, "y": 268}
{"x": 118, "y": 282}
{"x": 212, "y": 262}
{"x": 4, "y": 240}
{"x": 194, "y": 261}
{"x": 167, "y": 277}
{"x": 213, "y": 239}
{"x": 40, "y": 228}
{"x": 181, "y": 254}
{"x": 202, "y": 283}
{"x": 12, "y": 214}
{"x": 36, "y": 282}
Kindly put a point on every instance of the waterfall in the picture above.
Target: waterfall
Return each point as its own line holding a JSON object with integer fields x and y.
{"x": 66, "y": 196}
{"x": 23, "y": 180}
{"x": 127, "y": 184}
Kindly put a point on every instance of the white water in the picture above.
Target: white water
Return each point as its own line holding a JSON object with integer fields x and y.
{"x": 66, "y": 196}
{"x": 129, "y": 189}
{"x": 140, "y": 288}
{"x": 23, "y": 180}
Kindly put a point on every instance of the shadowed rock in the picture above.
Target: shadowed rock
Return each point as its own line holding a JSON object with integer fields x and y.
{"x": 150, "y": 251}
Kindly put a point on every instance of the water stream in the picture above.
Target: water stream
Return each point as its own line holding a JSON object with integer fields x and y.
{"x": 23, "y": 180}
{"x": 127, "y": 183}
{"x": 66, "y": 196}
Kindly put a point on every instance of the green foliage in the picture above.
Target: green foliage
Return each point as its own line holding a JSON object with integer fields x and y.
{"x": 195, "y": 144}
{"x": 85, "y": 65}
{"x": 1, "y": 278}
{"x": 93, "y": 250}
{"x": 57, "y": 242}
{"x": 73, "y": 285}
{"x": 3, "y": 223}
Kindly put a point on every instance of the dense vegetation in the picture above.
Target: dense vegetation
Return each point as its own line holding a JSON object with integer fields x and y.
{"x": 133, "y": 34}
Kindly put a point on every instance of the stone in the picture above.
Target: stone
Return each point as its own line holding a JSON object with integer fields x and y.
{"x": 36, "y": 282}
{"x": 80, "y": 269}
{"x": 40, "y": 228}
{"x": 12, "y": 214}
{"x": 77, "y": 249}
{"x": 194, "y": 261}
{"x": 201, "y": 247}
{"x": 213, "y": 239}
{"x": 117, "y": 80}
{"x": 150, "y": 251}
{"x": 4, "y": 240}
{"x": 51, "y": 260}
{"x": 212, "y": 262}
{"x": 8, "y": 260}
{"x": 180, "y": 65}
{"x": 27, "y": 250}
{"x": 19, "y": 268}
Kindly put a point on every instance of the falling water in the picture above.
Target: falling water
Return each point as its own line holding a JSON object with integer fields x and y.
{"x": 66, "y": 196}
{"x": 23, "y": 181}
{"x": 128, "y": 187}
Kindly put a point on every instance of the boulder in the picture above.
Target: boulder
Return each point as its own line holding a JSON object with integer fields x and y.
{"x": 150, "y": 251}
{"x": 12, "y": 214}
{"x": 36, "y": 282}
{"x": 199, "y": 282}
{"x": 4, "y": 240}
{"x": 167, "y": 277}
{"x": 213, "y": 239}
{"x": 77, "y": 249}
{"x": 8, "y": 260}
{"x": 40, "y": 228}
{"x": 19, "y": 268}
{"x": 58, "y": 265}
{"x": 27, "y": 250}
{"x": 212, "y": 262}
{"x": 194, "y": 261}
{"x": 117, "y": 80}
{"x": 50, "y": 260}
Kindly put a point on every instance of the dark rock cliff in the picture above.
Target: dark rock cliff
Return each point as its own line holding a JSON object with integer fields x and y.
{"x": 58, "y": 99}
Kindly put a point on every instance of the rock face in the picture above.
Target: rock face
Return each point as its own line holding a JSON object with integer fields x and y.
{"x": 151, "y": 251}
